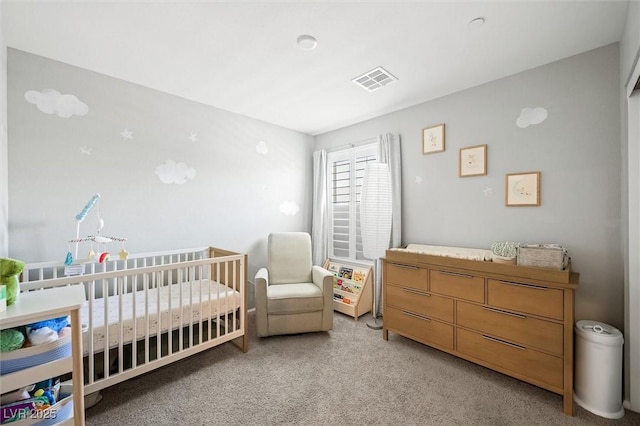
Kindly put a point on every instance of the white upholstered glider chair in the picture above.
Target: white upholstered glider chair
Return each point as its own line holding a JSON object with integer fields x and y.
{"x": 291, "y": 294}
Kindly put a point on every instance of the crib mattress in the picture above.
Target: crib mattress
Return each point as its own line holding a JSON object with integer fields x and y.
{"x": 179, "y": 305}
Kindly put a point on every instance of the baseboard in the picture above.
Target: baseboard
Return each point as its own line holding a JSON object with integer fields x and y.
{"x": 627, "y": 406}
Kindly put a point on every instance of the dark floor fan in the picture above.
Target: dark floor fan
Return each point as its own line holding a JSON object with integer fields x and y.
{"x": 375, "y": 226}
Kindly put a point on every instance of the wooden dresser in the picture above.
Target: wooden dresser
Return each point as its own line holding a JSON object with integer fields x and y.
{"x": 513, "y": 319}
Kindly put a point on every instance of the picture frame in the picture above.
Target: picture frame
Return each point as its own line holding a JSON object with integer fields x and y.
{"x": 472, "y": 161}
{"x": 522, "y": 189}
{"x": 433, "y": 139}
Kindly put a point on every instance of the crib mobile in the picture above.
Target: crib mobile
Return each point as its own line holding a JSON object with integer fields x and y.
{"x": 100, "y": 240}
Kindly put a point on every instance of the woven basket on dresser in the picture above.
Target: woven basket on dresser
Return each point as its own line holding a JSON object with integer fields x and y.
{"x": 545, "y": 257}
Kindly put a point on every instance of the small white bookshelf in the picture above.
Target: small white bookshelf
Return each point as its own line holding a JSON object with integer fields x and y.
{"x": 352, "y": 287}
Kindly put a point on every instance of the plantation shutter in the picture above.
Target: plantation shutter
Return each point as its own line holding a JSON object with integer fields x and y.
{"x": 345, "y": 177}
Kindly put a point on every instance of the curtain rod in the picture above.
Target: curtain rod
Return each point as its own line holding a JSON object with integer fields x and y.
{"x": 352, "y": 145}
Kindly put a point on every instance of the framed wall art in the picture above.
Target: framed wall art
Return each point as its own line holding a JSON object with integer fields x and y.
{"x": 522, "y": 189}
{"x": 433, "y": 139}
{"x": 473, "y": 161}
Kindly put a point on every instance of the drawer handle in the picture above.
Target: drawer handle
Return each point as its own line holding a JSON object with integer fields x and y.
{"x": 411, "y": 290}
{"x": 405, "y": 266}
{"x": 531, "y": 286}
{"x": 456, "y": 274}
{"x": 499, "y": 311}
{"x": 493, "y": 339}
{"x": 411, "y": 314}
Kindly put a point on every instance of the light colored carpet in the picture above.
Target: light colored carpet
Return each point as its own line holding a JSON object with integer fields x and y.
{"x": 349, "y": 376}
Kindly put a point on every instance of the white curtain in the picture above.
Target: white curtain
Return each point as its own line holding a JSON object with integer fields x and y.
{"x": 389, "y": 153}
{"x": 319, "y": 225}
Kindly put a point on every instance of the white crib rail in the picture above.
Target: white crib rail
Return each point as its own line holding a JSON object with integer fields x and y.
{"x": 201, "y": 315}
{"x": 47, "y": 270}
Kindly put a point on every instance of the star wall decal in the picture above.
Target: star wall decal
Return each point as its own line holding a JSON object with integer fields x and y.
{"x": 86, "y": 150}
{"x": 193, "y": 137}
{"x": 487, "y": 191}
{"x": 126, "y": 134}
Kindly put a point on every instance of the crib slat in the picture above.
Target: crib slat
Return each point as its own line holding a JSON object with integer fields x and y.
{"x": 105, "y": 325}
{"x": 158, "y": 320}
{"x": 209, "y": 316}
{"x": 118, "y": 283}
{"x": 134, "y": 325}
{"x": 146, "y": 319}
{"x": 234, "y": 280}
{"x": 91, "y": 298}
{"x": 212, "y": 281}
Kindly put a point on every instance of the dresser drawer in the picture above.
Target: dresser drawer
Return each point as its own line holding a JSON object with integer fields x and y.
{"x": 406, "y": 276}
{"x": 530, "y": 332}
{"x": 419, "y": 327}
{"x": 461, "y": 286}
{"x": 537, "y": 366}
{"x": 526, "y": 298}
{"x": 420, "y": 302}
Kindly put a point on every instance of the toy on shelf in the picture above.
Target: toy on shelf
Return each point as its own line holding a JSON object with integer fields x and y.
{"x": 9, "y": 271}
{"x": 10, "y": 340}
{"x": 25, "y": 403}
{"x": 24, "y": 409}
{"x": 99, "y": 240}
{"x": 42, "y": 332}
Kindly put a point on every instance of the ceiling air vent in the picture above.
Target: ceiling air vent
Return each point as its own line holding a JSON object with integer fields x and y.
{"x": 374, "y": 79}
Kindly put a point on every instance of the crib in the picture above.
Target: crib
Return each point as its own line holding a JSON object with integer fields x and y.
{"x": 152, "y": 309}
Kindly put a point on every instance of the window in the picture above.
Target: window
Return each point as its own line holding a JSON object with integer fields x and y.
{"x": 345, "y": 175}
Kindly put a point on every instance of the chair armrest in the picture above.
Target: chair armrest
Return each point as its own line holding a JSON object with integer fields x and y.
{"x": 323, "y": 279}
{"x": 262, "y": 274}
{"x": 260, "y": 283}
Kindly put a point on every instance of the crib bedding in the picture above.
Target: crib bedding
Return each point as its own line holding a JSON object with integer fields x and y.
{"x": 179, "y": 305}
{"x": 446, "y": 251}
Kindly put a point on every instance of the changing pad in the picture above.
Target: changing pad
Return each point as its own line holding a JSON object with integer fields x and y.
{"x": 446, "y": 251}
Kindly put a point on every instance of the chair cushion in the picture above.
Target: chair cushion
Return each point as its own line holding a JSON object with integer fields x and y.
{"x": 289, "y": 257}
{"x": 294, "y": 298}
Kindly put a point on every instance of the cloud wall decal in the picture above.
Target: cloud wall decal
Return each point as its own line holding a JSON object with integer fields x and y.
{"x": 171, "y": 172}
{"x": 529, "y": 116}
{"x": 289, "y": 208}
{"x": 51, "y": 101}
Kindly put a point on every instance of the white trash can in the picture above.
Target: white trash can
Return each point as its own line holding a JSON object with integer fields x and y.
{"x": 597, "y": 383}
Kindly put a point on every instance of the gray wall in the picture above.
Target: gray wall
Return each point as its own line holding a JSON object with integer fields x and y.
{"x": 233, "y": 201}
{"x": 4, "y": 188}
{"x": 576, "y": 149}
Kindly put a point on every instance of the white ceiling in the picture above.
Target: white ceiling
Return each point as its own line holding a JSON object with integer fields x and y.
{"x": 242, "y": 56}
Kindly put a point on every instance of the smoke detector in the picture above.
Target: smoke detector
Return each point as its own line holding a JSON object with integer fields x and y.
{"x": 374, "y": 79}
{"x": 307, "y": 42}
